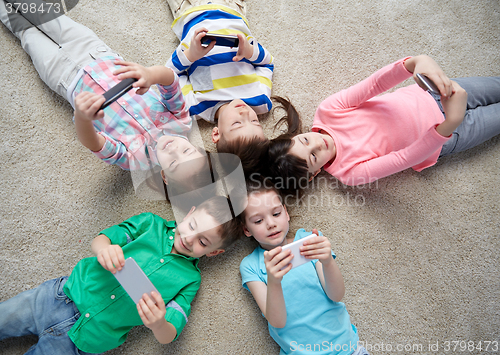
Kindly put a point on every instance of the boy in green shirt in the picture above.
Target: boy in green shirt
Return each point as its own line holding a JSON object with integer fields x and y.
{"x": 90, "y": 312}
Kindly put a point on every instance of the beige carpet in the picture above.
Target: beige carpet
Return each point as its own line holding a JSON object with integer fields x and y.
{"x": 418, "y": 251}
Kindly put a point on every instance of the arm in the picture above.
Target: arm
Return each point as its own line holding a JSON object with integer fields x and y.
{"x": 454, "y": 108}
{"x": 424, "y": 64}
{"x": 270, "y": 298}
{"x": 86, "y": 110}
{"x": 328, "y": 272}
{"x": 453, "y": 96}
{"x": 146, "y": 76}
{"x": 152, "y": 312}
{"x": 110, "y": 256}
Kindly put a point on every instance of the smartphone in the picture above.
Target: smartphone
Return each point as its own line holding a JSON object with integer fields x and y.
{"x": 428, "y": 83}
{"x": 117, "y": 91}
{"x": 220, "y": 40}
{"x": 134, "y": 280}
{"x": 295, "y": 248}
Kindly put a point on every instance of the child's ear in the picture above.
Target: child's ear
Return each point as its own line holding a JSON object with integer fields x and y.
{"x": 215, "y": 135}
{"x": 287, "y": 215}
{"x": 215, "y": 252}
{"x": 247, "y": 232}
{"x": 189, "y": 213}
{"x": 165, "y": 179}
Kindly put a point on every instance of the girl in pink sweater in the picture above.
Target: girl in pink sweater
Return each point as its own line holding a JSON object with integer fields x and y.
{"x": 359, "y": 138}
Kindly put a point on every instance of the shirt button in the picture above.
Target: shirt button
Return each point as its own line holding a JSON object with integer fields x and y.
{"x": 87, "y": 315}
{"x": 173, "y": 230}
{"x": 171, "y": 238}
{"x": 161, "y": 261}
{"x": 113, "y": 297}
{"x": 136, "y": 116}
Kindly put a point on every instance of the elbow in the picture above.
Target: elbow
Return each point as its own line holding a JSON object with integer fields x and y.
{"x": 278, "y": 324}
{"x": 338, "y": 296}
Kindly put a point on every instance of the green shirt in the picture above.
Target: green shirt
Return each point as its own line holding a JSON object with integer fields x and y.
{"x": 107, "y": 312}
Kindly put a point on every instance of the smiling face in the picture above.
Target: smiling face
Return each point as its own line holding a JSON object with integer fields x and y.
{"x": 197, "y": 235}
{"x": 236, "y": 119}
{"x": 173, "y": 153}
{"x": 315, "y": 148}
{"x": 266, "y": 219}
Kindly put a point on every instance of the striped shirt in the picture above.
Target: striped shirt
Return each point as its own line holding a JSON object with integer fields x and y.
{"x": 133, "y": 124}
{"x": 216, "y": 78}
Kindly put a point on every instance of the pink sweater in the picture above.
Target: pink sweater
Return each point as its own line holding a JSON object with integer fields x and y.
{"x": 379, "y": 136}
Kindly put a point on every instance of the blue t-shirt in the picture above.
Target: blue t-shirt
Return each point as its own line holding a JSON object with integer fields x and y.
{"x": 315, "y": 324}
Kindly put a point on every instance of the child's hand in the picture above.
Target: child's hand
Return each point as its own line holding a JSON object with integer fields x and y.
{"x": 87, "y": 105}
{"x": 425, "y": 65}
{"x": 196, "y": 50}
{"x": 111, "y": 258}
{"x": 317, "y": 248}
{"x": 245, "y": 49}
{"x": 454, "y": 108}
{"x": 143, "y": 75}
{"x": 152, "y": 311}
{"x": 277, "y": 263}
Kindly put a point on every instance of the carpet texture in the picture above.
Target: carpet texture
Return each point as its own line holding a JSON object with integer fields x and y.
{"x": 418, "y": 251}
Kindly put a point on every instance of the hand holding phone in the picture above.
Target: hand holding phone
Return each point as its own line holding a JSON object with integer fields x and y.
{"x": 298, "y": 259}
{"x": 220, "y": 40}
{"x": 135, "y": 281}
{"x": 117, "y": 91}
{"x": 428, "y": 83}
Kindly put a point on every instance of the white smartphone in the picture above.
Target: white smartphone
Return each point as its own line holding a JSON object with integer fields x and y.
{"x": 134, "y": 280}
{"x": 295, "y": 248}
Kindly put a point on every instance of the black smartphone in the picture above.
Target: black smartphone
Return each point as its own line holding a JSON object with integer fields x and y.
{"x": 428, "y": 83}
{"x": 117, "y": 91}
{"x": 220, "y": 40}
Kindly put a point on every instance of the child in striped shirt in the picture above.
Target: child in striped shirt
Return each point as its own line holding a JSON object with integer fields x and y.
{"x": 224, "y": 85}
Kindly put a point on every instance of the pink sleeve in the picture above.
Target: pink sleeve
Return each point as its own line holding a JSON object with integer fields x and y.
{"x": 377, "y": 83}
{"x": 396, "y": 161}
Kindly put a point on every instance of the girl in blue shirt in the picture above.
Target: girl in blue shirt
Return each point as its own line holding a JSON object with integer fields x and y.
{"x": 302, "y": 305}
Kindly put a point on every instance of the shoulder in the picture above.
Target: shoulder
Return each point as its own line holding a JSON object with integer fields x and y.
{"x": 252, "y": 260}
{"x": 302, "y": 233}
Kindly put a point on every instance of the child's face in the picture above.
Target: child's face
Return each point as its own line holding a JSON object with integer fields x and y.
{"x": 172, "y": 153}
{"x": 197, "y": 235}
{"x": 266, "y": 219}
{"x": 237, "y": 119}
{"x": 315, "y": 148}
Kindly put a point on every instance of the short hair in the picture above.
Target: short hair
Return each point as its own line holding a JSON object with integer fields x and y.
{"x": 230, "y": 227}
{"x": 252, "y": 152}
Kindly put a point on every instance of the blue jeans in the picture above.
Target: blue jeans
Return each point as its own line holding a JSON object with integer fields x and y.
{"x": 44, "y": 311}
{"x": 482, "y": 117}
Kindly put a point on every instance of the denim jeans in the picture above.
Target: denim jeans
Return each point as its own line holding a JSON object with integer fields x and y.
{"x": 44, "y": 311}
{"x": 482, "y": 117}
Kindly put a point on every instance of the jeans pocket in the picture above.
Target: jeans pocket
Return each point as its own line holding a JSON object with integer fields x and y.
{"x": 61, "y": 328}
{"x": 59, "y": 289}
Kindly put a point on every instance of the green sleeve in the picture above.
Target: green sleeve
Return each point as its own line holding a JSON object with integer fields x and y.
{"x": 179, "y": 308}
{"x": 130, "y": 229}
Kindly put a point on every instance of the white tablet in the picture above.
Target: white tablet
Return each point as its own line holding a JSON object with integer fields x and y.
{"x": 134, "y": 280}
